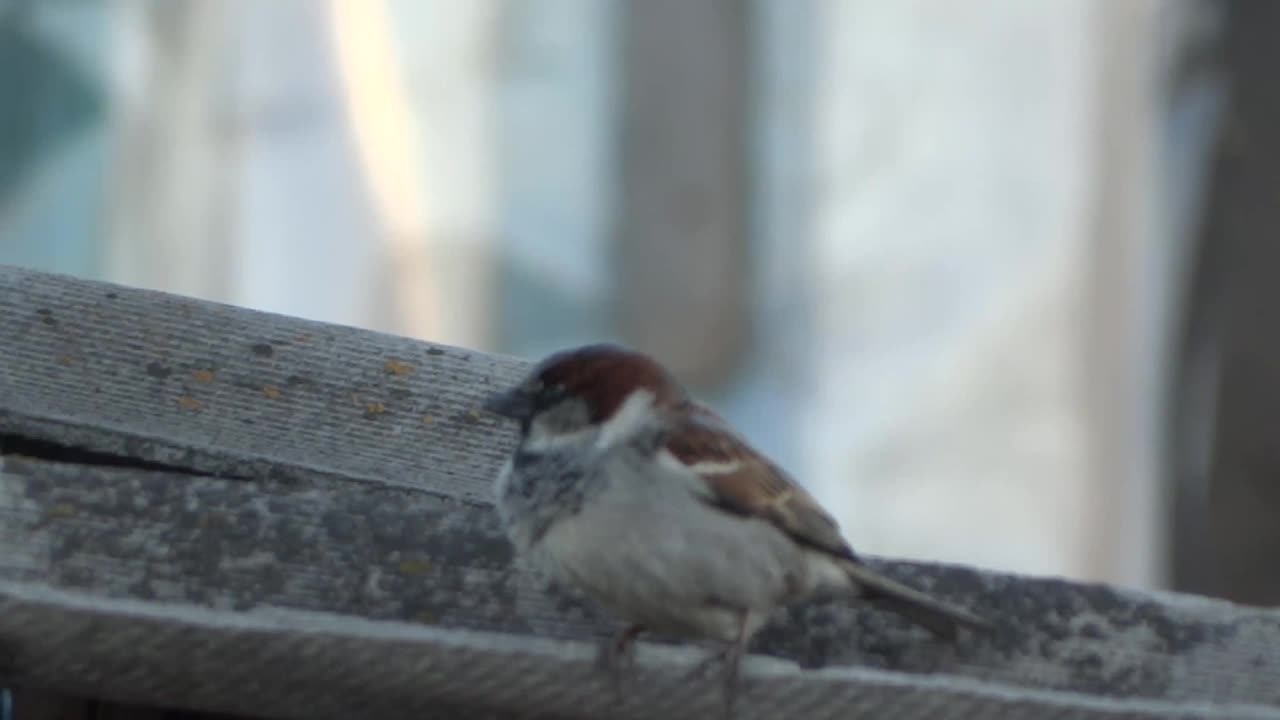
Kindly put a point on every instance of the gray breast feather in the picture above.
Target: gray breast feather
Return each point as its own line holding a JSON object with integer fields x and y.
{"x": 642, "y": 545}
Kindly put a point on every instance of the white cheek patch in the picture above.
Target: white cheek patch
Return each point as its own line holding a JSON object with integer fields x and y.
{"x": 539, "y": 440}
{"x": 636, "y": 411}
{"x": 504, "y": 477}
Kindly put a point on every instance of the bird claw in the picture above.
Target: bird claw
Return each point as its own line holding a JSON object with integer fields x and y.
{"x": 618, "y": 654}
{"x": 727, "y": 659}
{"x": 615, "y": 664}
{"x": 704, "y": 666}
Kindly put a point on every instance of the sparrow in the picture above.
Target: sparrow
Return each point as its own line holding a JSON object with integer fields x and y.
{"x": 625, "y": 487}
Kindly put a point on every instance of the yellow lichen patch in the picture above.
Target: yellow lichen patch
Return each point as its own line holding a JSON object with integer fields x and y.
{"x": 60, "y": 511}
{"x": 374, "y": 408}
{"x": 190, "y": 403}
{"x": 210, "y": 520}
{"x": 271, "y": 391}
{"x": 395, "y": 367}
{"x": 427, "y": 420}
{"x": 414, "y": 567}
{"x": 202, "y": 376}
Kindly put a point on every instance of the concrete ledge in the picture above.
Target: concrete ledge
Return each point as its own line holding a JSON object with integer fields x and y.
{"x": 208, "y": 507}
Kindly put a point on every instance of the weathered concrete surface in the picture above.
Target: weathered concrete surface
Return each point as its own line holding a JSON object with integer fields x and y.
{"x": 374, "y": 521}
{"x": 231, "y": 392}
{"x": 291, "y": 663}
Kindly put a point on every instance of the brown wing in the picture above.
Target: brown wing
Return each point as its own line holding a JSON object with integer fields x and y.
{"x": 741, "y": 480}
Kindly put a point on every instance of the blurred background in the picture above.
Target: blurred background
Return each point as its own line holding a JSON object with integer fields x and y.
{"x": 964, "y": 268}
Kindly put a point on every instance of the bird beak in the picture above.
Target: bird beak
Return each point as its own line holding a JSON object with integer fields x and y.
{"x": 514, "y": 403}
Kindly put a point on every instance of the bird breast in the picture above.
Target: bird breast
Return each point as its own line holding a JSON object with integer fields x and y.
{"x": 653, "y": 553}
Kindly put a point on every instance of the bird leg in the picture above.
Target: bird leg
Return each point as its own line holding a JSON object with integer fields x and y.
{"x": 732, "y": 662}
{"x": 731, "y": 656}
{"x": 619, "y": 651}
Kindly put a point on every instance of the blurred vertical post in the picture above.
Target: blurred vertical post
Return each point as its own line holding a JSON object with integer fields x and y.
{"x": 1127, "y": 299}
{"x": 951, "y": 198}
{"x": 421, "y": 105}
{"x": 171, "y": 199}
{"x": 1226, "y": 535}
{"x": 1193, "y": 97}
{"x": 681, "y": 253}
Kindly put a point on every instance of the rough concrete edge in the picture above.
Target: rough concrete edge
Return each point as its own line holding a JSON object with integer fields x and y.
{"x": 15, "y": 274}
{"x": 196, "y": 459}
{"x": 1021, "y": 631}
{"x": 568, "y": 658}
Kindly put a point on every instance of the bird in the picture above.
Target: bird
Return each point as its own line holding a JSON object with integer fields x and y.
{"x": 624, "y": 486}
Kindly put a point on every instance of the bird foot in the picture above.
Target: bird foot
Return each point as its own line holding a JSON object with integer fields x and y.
{"x": 727, "y": 661}
{"x": 707, "y": 664}
{"x": 618, "y": 655}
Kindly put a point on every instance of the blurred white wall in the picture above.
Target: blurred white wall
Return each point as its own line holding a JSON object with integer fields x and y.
{"x": 950, "y": 223}
{"x": 966, "y": 405}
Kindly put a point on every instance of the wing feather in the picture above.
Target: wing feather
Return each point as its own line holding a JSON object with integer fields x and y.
{"x": 738, "y": 479}
{"x": 741, "y": 480}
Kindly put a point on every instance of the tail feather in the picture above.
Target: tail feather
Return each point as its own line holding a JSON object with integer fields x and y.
{"x": 935, "y": 616}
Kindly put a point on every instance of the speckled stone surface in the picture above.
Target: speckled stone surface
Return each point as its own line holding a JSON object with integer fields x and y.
{"x": 225, "y": 509}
